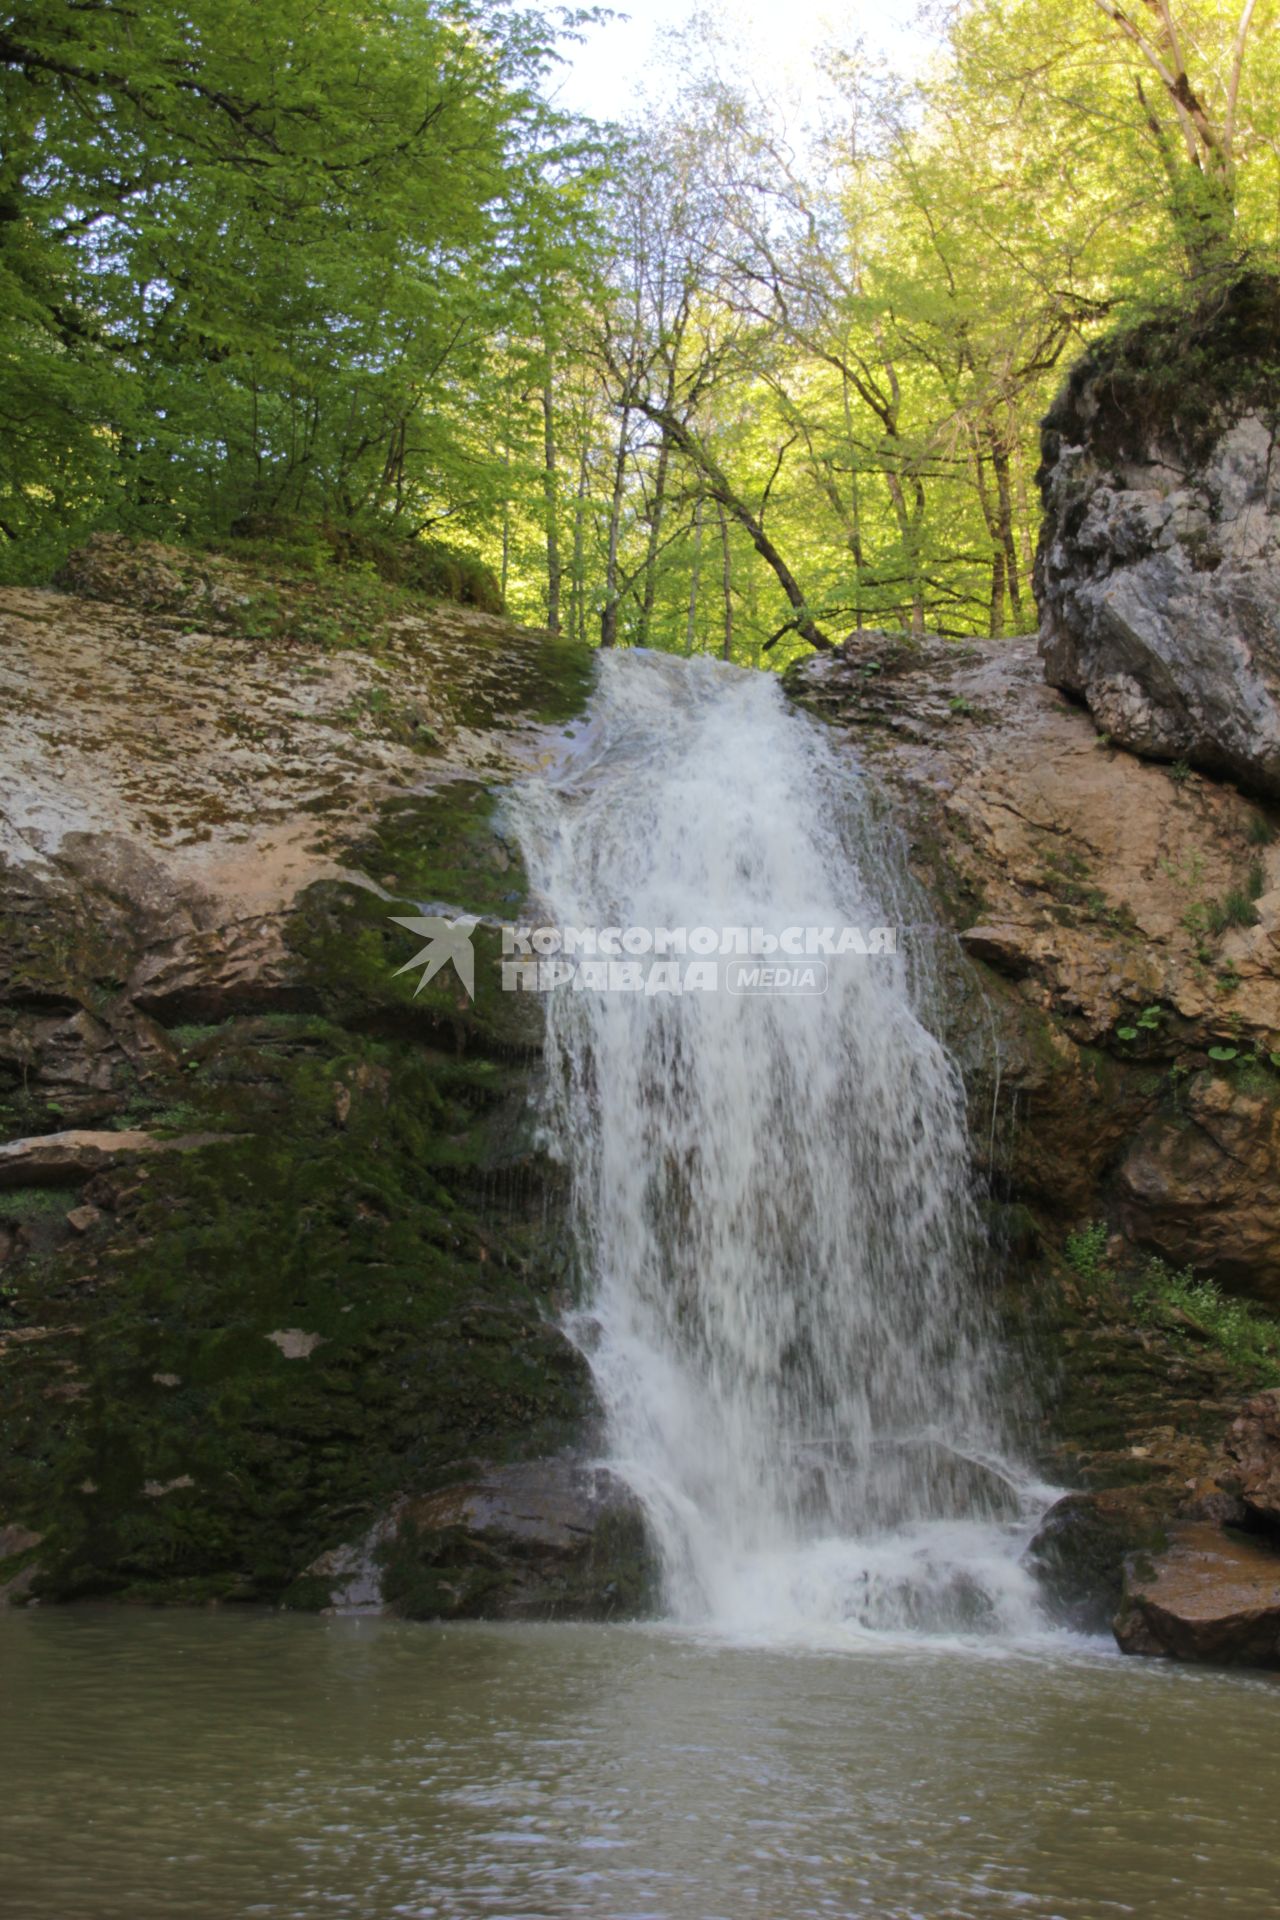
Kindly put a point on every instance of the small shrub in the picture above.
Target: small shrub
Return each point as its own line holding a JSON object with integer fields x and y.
{"x": 1235, "y": 909}
{"x": 1086, "y": 1250}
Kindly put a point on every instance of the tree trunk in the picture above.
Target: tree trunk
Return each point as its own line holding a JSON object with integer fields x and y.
{"x": 1008, "y": 544}
{"x": 656, "y": 514}
{"x": 506, "y": 524}
{"x": 718, "y": 486}
{"x": 578, "y": 581}
{"x": 551, "y": 502}
{"x": 726, "y": 553}
{"x": 695, "y": 581}
{"x": 609, "y": 611}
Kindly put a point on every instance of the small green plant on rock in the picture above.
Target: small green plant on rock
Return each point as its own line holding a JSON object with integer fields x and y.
{"x": 1235, "y": 909}
{"x": 1148, "y": 1021}
{"x": 1086, "y": 1250}
{"x": 1247, "y": 1336}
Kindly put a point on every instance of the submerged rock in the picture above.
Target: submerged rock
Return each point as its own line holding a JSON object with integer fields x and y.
{"x": 1158, "y": 574}
{"x": 1211, "y": 1596}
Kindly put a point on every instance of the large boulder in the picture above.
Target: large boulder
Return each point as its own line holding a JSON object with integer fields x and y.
{"x": 536, "y": 1540}
{"x": 1211, "y": 1596}
{"x": 1158, "y": 573}
{"x": 1079, "y": 1551}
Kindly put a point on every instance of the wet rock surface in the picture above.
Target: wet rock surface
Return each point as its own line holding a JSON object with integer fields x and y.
{"x": 1211, "y": 1596}
{"x": 535, "y": 1540}
{"x": 1123, "y": 928}
{"x": 1080, "y": 1549}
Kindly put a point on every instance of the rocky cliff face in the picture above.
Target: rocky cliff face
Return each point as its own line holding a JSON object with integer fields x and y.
{"x": 278, "y": 1260}
{"x": 1119, "y": 1022}
{"x": 1158, "y": 575}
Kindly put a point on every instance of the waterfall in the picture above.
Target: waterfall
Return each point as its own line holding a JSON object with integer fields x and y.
{"x": 771, "y": 1192}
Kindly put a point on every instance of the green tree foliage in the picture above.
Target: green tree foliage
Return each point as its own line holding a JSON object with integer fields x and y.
{"x": 842, "y": 338}
{"x": 255, "y": 259}
{"x": 718, "y": 383}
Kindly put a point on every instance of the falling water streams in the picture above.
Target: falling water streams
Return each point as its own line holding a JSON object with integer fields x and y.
{"x": 771, "y": 1191}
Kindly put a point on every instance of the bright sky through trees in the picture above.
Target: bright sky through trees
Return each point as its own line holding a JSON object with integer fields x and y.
{"x": 772, "y": 43}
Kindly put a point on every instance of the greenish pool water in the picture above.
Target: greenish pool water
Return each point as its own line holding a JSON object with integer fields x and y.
{"x": 215, "y": 1766}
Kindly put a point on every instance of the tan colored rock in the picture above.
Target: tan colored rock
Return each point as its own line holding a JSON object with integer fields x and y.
{"x": 1210, "y": 1596}
{"x": 294, "y": 1344}
{"x": 1008, "y": 949}
{"x": 1083, "y": 884}
{"x": 84, "y": 1219}
{"x": 1252, "y": 1446}
{"x": 65, "y": 1159}
{"x": 1202, "y": 1184}
{"x": 56, "y": 1159}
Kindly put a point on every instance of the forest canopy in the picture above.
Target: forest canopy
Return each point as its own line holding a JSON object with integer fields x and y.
{"x": 725, "y": 381}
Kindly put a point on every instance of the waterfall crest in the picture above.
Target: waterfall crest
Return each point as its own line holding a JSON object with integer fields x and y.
{"x": 771, "y": 1192}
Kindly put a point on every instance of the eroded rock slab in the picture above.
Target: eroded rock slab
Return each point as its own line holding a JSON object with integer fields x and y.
{"x": 1211, "y": 1596}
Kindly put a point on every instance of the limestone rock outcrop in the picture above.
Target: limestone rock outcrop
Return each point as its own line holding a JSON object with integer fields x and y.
{"x": 1158, "y": 573}
{"x": 1123, "y": 932}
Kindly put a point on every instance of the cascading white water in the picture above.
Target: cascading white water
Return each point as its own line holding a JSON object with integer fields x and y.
{"x": 771, "y": 1193}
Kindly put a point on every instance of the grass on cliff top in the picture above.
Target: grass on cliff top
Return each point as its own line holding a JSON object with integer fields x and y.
{"x": 1176, "y": 374}
{"x": 1247, "y": 1336}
